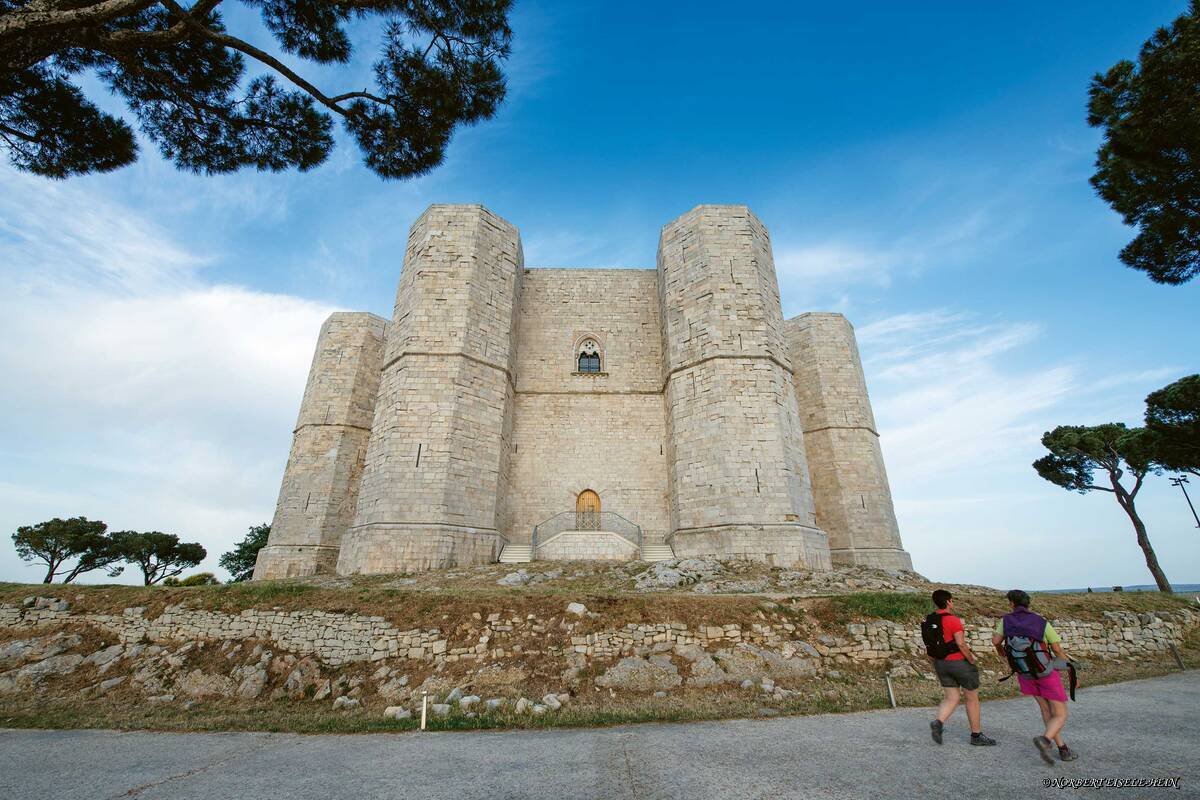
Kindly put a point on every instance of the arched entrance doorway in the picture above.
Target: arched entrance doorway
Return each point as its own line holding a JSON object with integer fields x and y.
{"x": 587, "y": 511}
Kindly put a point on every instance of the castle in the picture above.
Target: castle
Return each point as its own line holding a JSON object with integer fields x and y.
{"x": 508, "y": 413}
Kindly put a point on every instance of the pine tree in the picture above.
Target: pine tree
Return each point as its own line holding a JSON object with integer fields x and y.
{"x": 182, "y": 76}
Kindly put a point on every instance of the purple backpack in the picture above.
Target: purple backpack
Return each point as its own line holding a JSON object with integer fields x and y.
{"x": 1025, "y": 645}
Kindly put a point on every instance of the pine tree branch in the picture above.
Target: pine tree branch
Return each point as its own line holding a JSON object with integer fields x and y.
{"x": 32, "y": 18}
{"x": 262, "y": 56}
{"x": 184, "y": 97}
{"x": 7, "y": 131}
{"x": 362, "y": 95}
{"x": 128, "y": 40}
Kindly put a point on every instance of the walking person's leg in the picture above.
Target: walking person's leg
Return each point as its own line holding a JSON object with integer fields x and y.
{"x": 1052, "y": 701}
{"x": 971, "y": 700}
{"x": 945, "y": 709}
{"x": 950, "y": 701}
{"x": 1047, "y": 715}
{"x": 1058, "y": 718}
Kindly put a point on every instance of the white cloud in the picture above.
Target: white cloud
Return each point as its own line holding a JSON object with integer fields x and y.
{"x": 57, "y": 234}
{"x": 134, "y": 391}
{"x": 961, "y": 403}
{"x": 832, "y": 264}
{"x": 944, "y": 397}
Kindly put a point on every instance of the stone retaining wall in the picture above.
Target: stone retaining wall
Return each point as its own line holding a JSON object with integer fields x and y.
{"x": 336, "y": 638}
{"x": 587, "y": 545}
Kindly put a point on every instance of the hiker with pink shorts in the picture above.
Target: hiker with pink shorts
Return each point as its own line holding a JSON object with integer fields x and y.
{"x": 1034, "y": 651}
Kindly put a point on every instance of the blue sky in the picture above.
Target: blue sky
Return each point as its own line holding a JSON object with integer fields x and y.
{"x": 922, "y": 168}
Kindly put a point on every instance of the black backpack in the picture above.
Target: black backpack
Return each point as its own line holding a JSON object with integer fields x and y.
{"x": 934, "y": 636}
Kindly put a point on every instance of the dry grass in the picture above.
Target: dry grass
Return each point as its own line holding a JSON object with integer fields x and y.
{"x": 467, "y": 591}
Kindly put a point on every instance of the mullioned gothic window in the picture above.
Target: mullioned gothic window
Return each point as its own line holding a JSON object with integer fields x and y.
{"x": 587, "y": 356}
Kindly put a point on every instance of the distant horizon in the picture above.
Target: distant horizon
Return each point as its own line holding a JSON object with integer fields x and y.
{"x": 1129, "y": 587}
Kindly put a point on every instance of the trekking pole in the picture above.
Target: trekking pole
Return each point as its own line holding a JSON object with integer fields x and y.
{"x": 424, "y": 706}
{"x": 887, "y": 677}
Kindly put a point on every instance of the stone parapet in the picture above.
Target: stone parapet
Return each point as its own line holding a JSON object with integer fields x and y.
{"x": 586, "y": 546}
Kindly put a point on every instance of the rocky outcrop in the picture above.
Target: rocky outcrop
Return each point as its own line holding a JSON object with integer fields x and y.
{"x": 639, "y": 674}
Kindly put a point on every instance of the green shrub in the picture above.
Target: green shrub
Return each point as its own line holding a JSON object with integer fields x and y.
{"x": 200, "y": 579}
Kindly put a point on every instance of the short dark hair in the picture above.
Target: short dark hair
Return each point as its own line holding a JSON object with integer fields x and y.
{"x": 1018, "y": 598}
{"x": 941, "y": 598}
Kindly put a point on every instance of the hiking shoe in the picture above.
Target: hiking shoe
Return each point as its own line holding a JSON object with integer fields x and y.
{"x": 1043, "y": 745}
{"x": 982, "y": 741}
{"x": 1067, "y": 754}
{"x": 935, "y": 729}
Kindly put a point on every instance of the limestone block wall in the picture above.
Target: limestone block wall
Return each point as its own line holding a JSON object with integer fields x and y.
{"x": 603, "y": 432}
{"x": 438, "y": 458}
{"x": 737, "y": 472}
{"x": 587, "y": 546}
{"x": 337, "y": 638}
{"x": 619, "y": 307}
{"x": 612, "y": 444}
{"x": 318, "y": 496}
{"x": 849, "y": 480}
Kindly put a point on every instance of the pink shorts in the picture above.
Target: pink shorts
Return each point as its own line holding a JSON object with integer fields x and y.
{"x": 1050, "y": 687}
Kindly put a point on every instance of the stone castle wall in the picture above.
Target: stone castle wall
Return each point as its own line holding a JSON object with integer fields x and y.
{"x": 438, "y": 458}
{"x": 738, "y": 479}
{"x": 320, "y": 484}
{"x": 850, "y": 485}
{"x": 703, "y": 427}
{"x": 575, "y": 431}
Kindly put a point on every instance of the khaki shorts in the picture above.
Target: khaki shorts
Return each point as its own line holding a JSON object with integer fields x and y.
{"x": 958, "y": 673}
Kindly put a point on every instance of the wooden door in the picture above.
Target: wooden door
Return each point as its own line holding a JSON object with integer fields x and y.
{"x": 587, "y": 511}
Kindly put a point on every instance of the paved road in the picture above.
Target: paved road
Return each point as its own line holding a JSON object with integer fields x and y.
{"x": 1139, "y": 729}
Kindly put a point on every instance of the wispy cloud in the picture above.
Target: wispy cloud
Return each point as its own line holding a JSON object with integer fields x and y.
{"x": 832, "y": 264}
{"x": 58, "y": 234}
{"x": 574, "y": 248}
{"x": 961, "y": 401}
{"x": 136, "y": 391}
{"x": 946, "y": 399}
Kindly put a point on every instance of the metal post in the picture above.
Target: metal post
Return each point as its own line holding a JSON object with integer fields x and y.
{"x": 887, "y": 676}
{"x": 1175, "y": 652}
{"x": 424, "y": 707}
{"x": 1179, "y": 481}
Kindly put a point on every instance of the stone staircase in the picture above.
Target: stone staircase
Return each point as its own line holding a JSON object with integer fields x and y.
{"x": 516, "y": 554}
{"x": 657, "y": 552}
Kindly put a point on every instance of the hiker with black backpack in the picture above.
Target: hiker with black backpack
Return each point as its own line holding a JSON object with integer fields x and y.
{"x": 1035, "y": 653}
{"x": 946, "y": 644}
